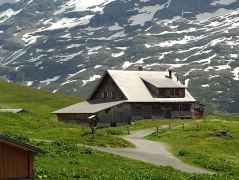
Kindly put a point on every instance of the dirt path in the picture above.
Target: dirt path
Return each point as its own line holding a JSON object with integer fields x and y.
{"x": 151, "y": 152}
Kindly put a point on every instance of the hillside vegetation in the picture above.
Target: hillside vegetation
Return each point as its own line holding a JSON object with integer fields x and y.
{"x": 199, "y": 143}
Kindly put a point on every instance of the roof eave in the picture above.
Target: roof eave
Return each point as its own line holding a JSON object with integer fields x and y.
{"x": 21, "y": 145}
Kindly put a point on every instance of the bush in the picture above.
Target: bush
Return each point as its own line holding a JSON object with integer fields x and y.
{"x": 63, "y": 147}
{"x": 182, "y": 152}
{"x": 113, "y": 131}
{"x": 41, "y": 173}
{"x": 75, "y": 161}
{"x": 18, "y": 136}
{"x": 86, "y": 150}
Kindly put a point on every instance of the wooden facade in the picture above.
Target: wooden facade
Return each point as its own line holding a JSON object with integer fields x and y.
{"x": 16, "y": 159}
{"x": 120, "y": 114}
{"x": 160, "y": 110}
{"x": 108, "y": 90}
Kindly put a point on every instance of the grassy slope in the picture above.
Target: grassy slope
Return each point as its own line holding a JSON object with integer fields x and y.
{"x": 37, "y": 102}
{"x": 196, "y": 144}
{"x": 39, "y": 123}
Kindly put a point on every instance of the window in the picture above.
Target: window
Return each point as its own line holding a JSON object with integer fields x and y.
{"x": 161, "y": 92}
{"x": 113, "y": 95}
{"x": 185, "y": 107}
{"x": 174, "y": 92}
{"x": 104, "y": 95}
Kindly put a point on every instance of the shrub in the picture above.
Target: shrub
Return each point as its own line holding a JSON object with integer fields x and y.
{"x": 18, "y": 136}
{"x": 182, "y": 152}
{"x": 63, "y": 147}
{"x": 113, "y": 131}
{"x": 86, "y": 150}
{"x": 75, "y": 161}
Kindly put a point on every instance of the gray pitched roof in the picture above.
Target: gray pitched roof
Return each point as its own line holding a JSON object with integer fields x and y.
{"x": 132, "y": 85}
{"x": 162, "y": 82}
{"x": 87, "y": 107}
{"x": 12, "y": 110}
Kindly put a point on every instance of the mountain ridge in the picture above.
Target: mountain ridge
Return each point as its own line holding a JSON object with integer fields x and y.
{"x": 65, "y": 46}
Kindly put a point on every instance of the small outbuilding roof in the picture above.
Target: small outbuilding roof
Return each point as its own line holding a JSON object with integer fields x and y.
{"x": 13, "y": 142}
{"x": 12, "y": 110}
{"x": 88, "y": 107}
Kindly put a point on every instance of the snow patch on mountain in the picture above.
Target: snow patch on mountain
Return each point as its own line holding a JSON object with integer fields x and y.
{"x": 115, "y": 27}
{"x": 5, "y": 15}
{"x": 206, "y": 16}
{"x": 223, "y": 2}
{"x": 28, "y": 38}
{"x": 118, "y": 54}
{"x": 236, "y": 74}
{"x": 73, "y": 75}
{"x": 92, "y": 78}
{"x": 69, "y": 23}
{"x": 83, "y": 5}
{"x": 50, "y": 80}
{"x": 127, "y": 64}
{"x": 144, "y": 15}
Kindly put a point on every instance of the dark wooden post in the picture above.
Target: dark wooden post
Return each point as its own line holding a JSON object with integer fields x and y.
{"x": 128, "y": 129}
{"x": 157, "y": 128}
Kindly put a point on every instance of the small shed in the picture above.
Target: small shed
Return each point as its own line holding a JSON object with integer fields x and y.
{"x": 15, "y": 111}
{"x": 16, "y": 159}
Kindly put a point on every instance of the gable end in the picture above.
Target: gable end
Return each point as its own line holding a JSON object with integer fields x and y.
{"x": 107, "y": 90}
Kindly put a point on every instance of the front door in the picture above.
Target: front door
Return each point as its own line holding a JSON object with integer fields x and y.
{"x": 147, "y": 110}
{"x": 168, "y": 115}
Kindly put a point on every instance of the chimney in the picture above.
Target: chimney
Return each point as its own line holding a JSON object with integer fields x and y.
{"x": 140, "y": 68}
{"x": 183, "y": 82}
{"x": 170, "y": 74}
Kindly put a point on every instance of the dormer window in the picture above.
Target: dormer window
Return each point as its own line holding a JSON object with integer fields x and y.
{"x": 174, "y": 92}
{"x": 161, "y": 92}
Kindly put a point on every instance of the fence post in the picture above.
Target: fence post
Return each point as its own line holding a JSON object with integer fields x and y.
{"x": 128, "y": 129}
{"x": 157, "y": 128}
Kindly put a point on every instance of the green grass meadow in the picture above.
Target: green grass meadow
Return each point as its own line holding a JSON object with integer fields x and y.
{"x": 194, "y": 143}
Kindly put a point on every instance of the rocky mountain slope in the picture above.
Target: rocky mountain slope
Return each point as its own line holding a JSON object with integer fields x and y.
{"x": 66, "y": 45}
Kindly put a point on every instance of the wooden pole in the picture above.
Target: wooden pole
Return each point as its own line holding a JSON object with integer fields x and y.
{"x": 128, "y": 129}
{"x": 157, "y": 128}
